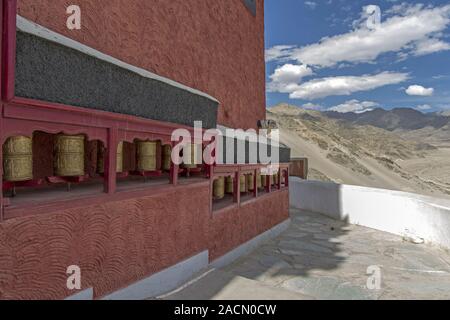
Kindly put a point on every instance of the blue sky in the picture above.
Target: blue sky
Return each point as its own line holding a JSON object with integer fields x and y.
{"x": 323, "y": 54}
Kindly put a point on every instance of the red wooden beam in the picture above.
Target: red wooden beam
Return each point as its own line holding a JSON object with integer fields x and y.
{"x": 8, "y": 53}
{"x": 237, "y": 188}
{"x": 174, "y": 169}
{"x": 255, "y": 184}
{"x": 110, "y": 183}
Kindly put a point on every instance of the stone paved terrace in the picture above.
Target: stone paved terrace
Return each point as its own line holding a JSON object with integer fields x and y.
{"x": 320, "y": 258}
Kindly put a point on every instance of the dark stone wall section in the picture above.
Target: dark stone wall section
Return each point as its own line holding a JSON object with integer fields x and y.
{"x": 284, "y": 152}
{"x": 51, "y": 72}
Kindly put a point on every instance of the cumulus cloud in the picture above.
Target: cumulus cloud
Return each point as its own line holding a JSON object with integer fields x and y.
{"x": 355, "y": 106}
{"x": 343, "y": 85}
{"x": 417, "y": 90}
{"x": 409, "y": 30}
{"x": 286, "y": 78}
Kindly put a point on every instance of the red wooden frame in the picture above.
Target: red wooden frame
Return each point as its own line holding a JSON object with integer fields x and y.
{"x": 22, "y": 116}
{"x": 237, "y": 170}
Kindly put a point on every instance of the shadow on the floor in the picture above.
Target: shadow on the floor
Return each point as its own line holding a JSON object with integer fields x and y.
{"x": 312, "y": 242}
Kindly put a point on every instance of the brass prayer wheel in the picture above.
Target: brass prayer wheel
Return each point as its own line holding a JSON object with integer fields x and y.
{"x": 229, "y": 185}
{"x": 263, "y": 181}
{"x": 69, "y": 156}
{"x": 243, "y": 185}
{"x": 167, "y": 157}
{"x": 219, "y": 188}
{"x": 119, "y": 159}
{"x": 250, "y": 182}
{"x": 194, "y": 154}
{"x": 146, "y": 155}
{"x": 18, "y": 159}
{"x": 275, "y": 179}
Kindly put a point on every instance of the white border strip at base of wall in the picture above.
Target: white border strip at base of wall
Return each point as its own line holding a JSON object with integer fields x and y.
{"x": 164, "y": 281}
{"x": 251, "y": 245}
{"x": 173, "y": 277}
{"x": 87, "y": 294}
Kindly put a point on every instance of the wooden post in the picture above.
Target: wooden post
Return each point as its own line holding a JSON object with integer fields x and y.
{"x": 286, "y": 182}
{"x": 279, "y": 177}
{"x": 268, "y": 184}
{"x": 255, "y": 184}
{"x": 1, "y": 168}
{"x": 174, "y": 169}
{"x": 110, "y": 182}
{"x": 237, "y": 187}
{"x": 8, "y": 63}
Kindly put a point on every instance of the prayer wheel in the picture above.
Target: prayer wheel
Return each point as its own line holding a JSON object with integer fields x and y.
{"x": 167, "y": 157}
{"x": 243, "y": 185}
{"x": 146, "y": 155}
{"x": 69, "y": 156}
{"x": 18, "y": 159}
{"x": 229, "y": 185}
{"x": 275, "y": 179}
{"x": 263, "y": 181}
{"x": 194, "y": 154}
{"x": 119, "y": 159}
{"x": 219, "y": 188}
{"x": 250, "y": 182}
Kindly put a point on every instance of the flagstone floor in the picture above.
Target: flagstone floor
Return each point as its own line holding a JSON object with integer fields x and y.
{"x": 320, "y": 258}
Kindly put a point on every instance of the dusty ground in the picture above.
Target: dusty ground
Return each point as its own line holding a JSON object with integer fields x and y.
{"x": 319, "y": 258}
{"x": 435, "y": 166}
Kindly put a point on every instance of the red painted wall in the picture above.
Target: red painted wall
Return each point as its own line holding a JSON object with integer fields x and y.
{"x": 232, "y": 228}
{"x": 214, "y": 46}
{"x": 115, "y": 244}
{"x": 119, "y": 243}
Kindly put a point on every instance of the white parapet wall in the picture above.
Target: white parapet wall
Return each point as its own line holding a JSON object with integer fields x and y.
{"x": 395, "y": 212}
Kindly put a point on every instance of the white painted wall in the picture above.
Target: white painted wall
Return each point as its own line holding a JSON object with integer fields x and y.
{"x": 386, "y": 210}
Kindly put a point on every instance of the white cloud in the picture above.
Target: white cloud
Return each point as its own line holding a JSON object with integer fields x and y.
{"x": 408, "y": 31}
{"x": 286, "y": 78}
{"x": 417, "y": 90}
{"x": 278, "y": 53}
{"x": 428, "y": 46}
{"x": 312, "y": 106}
{"x": 423, "y": 107}
{"x": 311, "y": 4}
{"x": 354, "y": 106}
{"x": 343, "y": 85}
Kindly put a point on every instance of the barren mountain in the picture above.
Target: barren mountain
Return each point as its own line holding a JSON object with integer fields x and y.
{"x": 395, "y": 119}
{"x": 346, "y": 150}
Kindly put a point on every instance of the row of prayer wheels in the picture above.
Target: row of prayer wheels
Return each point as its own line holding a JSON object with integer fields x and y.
{"x": 69, "y": 157}
{"x": 225, "y": 185}
{"x": 146, "y": 155}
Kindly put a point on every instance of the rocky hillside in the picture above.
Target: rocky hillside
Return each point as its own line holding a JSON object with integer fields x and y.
{"x": 345, "y": 148}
